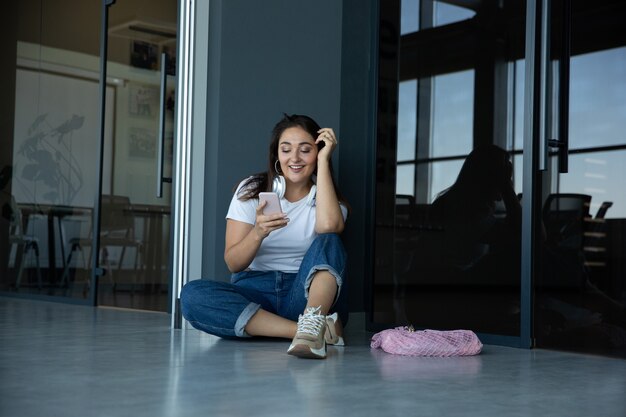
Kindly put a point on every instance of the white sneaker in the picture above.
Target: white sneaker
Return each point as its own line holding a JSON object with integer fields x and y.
{"x": 333, "y": 331}
{"x": 309, "y": 341}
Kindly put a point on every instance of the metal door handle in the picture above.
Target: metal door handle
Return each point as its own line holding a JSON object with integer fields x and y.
{"x": 560, "y": 144}
{"x": 544, "y": 85}
{"x": 161, "y": 139}
{"x": 564, "y": 74}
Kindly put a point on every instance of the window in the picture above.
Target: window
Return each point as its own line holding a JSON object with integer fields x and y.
{"x": 407, "y": 123}
{"x": 409, "y": 21}
{"x": 448, "y": 13}
{"x": 597, "y": 99}
{"x": 453, "y": 115}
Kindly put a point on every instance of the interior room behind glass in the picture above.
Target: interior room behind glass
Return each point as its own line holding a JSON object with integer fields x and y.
{"x": 51, "y": 167}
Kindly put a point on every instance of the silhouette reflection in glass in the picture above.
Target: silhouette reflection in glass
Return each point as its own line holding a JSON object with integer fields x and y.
{"x": 458, "y": 259}
{"x": 481, "y": 217}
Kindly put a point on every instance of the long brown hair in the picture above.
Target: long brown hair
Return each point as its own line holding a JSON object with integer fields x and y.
{"x": 480, "y": 178}
{"x": 263, "y": 181}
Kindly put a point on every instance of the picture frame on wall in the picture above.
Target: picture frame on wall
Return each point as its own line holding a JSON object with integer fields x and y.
{"x": 141, "y": 143}
{"x": 144, "y": 55}
{"x": 143, "y": 100}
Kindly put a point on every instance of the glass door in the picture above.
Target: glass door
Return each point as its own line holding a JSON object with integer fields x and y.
{"x": 449, "y": 167}
{"x": 48, "y": 167}
{"x": 135, "y": 211}
{"x": 50, "y": 170}
{"x": 500, "y": 161}
{"x": 580, "y": 290}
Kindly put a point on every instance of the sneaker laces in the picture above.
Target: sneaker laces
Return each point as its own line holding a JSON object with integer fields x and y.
{"x": 311, "y": 321}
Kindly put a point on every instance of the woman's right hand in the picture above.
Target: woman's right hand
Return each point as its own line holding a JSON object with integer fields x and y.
{"x": 243, "y": 239}
{"x": 267, "y": 223}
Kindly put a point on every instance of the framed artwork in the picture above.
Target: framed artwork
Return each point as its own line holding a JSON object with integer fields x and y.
{"x": 143, "y": 100}
{"x": 144, "y": 55}
{"x": 141, "y": 143}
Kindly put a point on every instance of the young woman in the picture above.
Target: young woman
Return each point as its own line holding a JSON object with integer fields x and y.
{"x": 288, "y": 267}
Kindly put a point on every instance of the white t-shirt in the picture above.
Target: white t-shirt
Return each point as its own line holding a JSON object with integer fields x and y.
{"x": 283, "y": 249}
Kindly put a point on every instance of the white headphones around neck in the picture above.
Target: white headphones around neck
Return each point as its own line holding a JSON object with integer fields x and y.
{"x": 279, "y": 187}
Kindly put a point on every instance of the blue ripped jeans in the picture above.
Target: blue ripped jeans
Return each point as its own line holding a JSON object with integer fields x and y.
{"x": 224, "y": 309}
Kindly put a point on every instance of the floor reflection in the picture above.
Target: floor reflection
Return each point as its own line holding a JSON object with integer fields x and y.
{"x": 404, "y": 368}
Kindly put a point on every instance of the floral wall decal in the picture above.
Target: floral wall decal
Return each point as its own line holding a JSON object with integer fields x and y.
{"x": 50, "y": 160}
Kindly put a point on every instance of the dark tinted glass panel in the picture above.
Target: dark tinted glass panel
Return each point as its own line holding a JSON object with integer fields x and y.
{"x": 448, "y": 218}
{"x": 581, "y": 291}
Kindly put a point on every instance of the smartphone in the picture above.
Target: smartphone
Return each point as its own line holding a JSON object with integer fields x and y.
{"x": 273, "y": 203}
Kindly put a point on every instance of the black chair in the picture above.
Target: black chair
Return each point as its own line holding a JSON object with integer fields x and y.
{"x": 604, "y": 207}
{"x": 24, "y": 244}
{"x": 596, "y": 241}
{"x": 564, "y": 217}
{"x": 117, "y": 229}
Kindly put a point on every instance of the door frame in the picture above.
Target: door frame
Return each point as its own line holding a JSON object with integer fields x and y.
{"x": 180, "y": 230}
{"x": 181, "y": 236}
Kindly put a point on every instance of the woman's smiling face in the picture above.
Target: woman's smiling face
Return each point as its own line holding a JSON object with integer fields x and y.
{"x": 297, "y": 155}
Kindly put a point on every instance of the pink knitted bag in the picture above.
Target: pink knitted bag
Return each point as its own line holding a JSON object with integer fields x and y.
{"x": 406, "y": 341}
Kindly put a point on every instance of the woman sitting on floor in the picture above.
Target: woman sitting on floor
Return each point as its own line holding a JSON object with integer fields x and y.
{"x": 288, "y": 267}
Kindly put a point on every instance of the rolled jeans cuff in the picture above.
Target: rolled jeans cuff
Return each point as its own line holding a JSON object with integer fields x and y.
{"x": 322, "y": 267}
{"x": 244, "y": 318}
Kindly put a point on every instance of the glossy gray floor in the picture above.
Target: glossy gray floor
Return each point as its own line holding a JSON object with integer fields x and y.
{"x": 63, "y": 360}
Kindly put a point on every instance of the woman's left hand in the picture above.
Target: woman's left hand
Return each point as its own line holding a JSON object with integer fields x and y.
{"x": 326, "y": 135}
